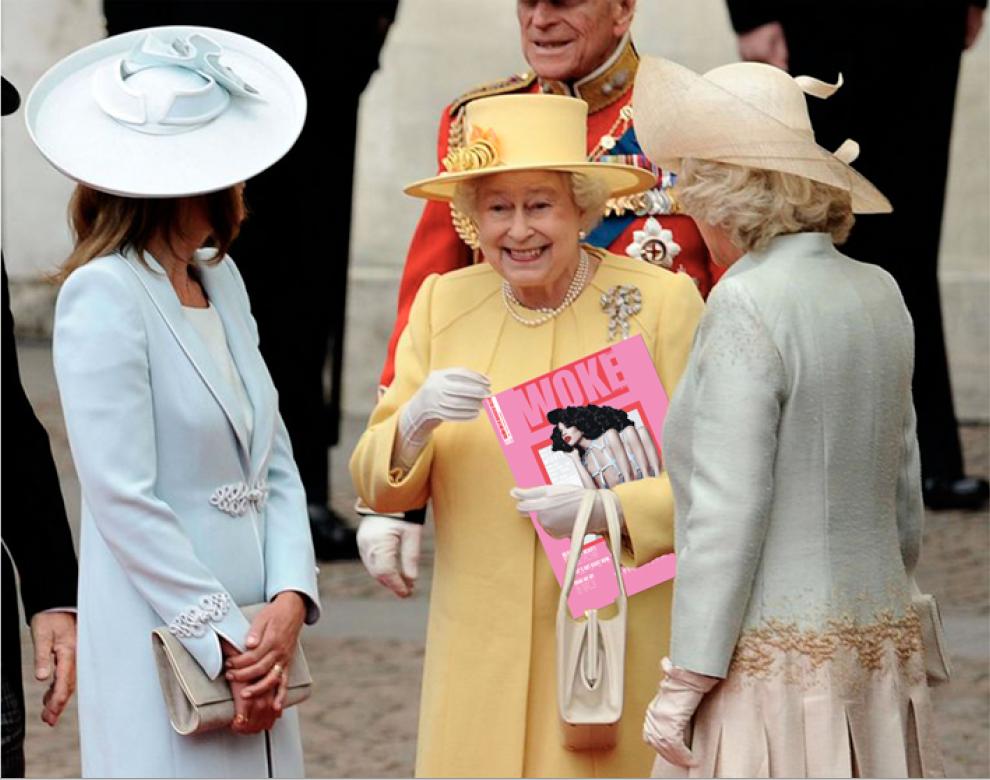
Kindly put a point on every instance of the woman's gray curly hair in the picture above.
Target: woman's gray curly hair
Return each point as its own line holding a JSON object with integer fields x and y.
{"x": 590, "y": 195}
{"x": 754, "y": 205}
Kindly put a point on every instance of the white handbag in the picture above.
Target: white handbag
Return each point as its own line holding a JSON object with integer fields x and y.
{"x": 937, "y": 667}
{"x": 591, "y": 652}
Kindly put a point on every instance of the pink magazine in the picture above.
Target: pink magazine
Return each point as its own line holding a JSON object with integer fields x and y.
{"x": 616, "y": 395}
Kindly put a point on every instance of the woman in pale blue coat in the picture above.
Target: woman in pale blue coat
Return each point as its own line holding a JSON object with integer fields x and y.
{"x": 791, "y": 448}
{"x": 192, "y": 506}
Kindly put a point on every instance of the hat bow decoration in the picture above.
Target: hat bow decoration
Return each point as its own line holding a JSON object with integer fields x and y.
{"x": 848, "y": 151}
{"x": 165, "y": 88}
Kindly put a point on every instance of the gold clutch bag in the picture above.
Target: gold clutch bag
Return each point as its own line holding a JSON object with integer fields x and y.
{"x": 591, "y": 652}
{"x": 196, "y": 703}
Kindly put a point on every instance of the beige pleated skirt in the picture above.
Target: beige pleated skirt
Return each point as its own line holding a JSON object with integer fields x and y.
{"x": 790, "y": 714}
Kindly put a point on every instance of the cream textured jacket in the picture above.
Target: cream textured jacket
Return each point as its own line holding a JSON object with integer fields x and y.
{"x": 791, "y": 450}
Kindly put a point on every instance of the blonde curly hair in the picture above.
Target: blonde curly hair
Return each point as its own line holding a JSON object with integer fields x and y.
{"x": 754, "y": 205}
{"x": 589, "y": 192}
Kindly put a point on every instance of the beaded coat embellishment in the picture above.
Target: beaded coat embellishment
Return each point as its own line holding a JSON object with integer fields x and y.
{"x": 192, "y": 622}
{"x": 235, "y": 498}
{"x": 620, "y": 303}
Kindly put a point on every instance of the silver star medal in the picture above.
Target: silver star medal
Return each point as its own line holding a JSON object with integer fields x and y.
{"x": 654, "y": 244}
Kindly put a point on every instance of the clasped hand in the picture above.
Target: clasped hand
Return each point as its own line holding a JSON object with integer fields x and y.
{"x": 556, "y": 508}
{"x": 447, "y": 395}
{"x": 259, "y": 677}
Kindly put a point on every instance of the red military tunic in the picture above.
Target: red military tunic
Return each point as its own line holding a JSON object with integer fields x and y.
{"x": 437, "y": 247}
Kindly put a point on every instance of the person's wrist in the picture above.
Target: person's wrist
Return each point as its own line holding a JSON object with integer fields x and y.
{"x": 293, "y": 601}
{"x": 599, "y": 524}
{"x": 416, "y": 425}
{"x": 685, "y": 678}
{"x": 411, "y": 437}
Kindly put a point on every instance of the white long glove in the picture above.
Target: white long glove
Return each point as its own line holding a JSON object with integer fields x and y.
{"x": 389, "y": 550}
{"x": 670, "y": 712}
{"x": 556, "y": 508}
{"x": 447, "y": 395}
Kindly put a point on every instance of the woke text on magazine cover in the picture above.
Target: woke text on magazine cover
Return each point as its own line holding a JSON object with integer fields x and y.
{"x": 594, "y": 423}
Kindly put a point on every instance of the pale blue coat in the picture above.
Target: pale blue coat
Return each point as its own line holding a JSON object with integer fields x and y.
{"x": 156, "y": 433}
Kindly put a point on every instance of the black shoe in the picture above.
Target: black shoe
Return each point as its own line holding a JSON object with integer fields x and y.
{"x": 962, "y": 493}
{"x": 333, "y": 539}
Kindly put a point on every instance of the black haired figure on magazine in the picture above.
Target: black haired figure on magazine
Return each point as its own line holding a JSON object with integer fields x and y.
{"x": 605, "y": 445}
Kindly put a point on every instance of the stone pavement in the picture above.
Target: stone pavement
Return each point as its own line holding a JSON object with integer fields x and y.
{"x": 366, "y": 653}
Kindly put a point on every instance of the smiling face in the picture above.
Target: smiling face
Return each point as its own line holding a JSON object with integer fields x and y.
{"x": 528, "y": 228}
{"x": 567, "y": 39}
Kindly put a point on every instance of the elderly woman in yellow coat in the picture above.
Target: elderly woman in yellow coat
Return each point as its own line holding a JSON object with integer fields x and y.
{"x": 489, "y": 686}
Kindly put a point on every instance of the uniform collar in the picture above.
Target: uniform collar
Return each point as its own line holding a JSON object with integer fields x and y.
{"x": 606, "y": 84}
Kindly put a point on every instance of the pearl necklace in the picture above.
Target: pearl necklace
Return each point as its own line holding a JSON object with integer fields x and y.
{"x": 578, "y": 282}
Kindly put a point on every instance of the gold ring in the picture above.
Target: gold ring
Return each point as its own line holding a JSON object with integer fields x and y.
{"x": 240, "y": 719}
{"x": 277, "y": 668}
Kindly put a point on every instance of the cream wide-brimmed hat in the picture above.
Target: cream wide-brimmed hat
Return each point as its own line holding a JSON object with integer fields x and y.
{"x": 525, "y": 133}
{"x": 747, "y": 114}
{"x": 167, "y": 111}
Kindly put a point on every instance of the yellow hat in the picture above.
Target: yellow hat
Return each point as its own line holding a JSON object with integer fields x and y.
{"x": 525, "y": 133}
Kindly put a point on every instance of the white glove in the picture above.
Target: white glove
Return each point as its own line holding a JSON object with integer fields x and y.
{"x": 389, "y": 550}
{"x": 556, "y": 508}
{"x": 447, "y": 395}
{"x": 671, "y": 710}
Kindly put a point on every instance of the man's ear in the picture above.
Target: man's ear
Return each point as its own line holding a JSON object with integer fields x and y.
{"x": 623, "y": 12}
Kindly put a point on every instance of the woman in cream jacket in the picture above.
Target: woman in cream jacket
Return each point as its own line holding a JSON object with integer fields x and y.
{"x": 792, "y": 454}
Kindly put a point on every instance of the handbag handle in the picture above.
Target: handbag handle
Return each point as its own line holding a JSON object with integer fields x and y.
{"x": 578, "y": 533}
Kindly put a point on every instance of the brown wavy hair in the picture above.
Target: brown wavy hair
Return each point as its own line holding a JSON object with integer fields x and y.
{"x": 102, "y": 223}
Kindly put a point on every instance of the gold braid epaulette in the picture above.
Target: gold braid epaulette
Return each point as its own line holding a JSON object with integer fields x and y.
{"x": 463, "y": 224}
{"x": 501, "y": 87}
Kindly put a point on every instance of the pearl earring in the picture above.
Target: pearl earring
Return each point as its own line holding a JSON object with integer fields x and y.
{"x": 582, "y": 235}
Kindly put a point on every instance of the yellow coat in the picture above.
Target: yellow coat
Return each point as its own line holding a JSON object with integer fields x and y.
{"x": 489, "y": 683}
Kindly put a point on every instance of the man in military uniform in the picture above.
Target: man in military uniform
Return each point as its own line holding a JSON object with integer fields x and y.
{"x": 579, "y": 48}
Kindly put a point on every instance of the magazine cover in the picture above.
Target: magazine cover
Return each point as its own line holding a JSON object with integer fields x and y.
{"x": 596, "y": 423}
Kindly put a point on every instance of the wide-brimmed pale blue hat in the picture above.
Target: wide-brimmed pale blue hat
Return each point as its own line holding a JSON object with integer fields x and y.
{"x": 167, "y": 111}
